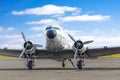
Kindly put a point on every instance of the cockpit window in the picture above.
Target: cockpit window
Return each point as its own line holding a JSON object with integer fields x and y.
{"x": 51, "y": 27}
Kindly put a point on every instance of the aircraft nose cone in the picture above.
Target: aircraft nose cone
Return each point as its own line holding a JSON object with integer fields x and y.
{"x": 51, "y": 34}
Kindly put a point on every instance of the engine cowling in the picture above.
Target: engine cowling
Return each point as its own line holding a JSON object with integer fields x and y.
{"x": 30, "y": 48}
{"x": 28, "y": 45}
{"x": 79, "y": 46}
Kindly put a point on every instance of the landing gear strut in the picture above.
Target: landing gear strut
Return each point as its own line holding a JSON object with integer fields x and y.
{"x": 63, "y": 62}
{"x": 30, "y": 62}
{"x": 80, "y": 63}
{"x": 71, "y": 62}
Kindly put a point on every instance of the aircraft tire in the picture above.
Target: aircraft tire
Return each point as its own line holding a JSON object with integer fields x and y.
{"x": 79, "y": 64}
{"x": 30, "y": 64}
{"x": 63, "y": 64}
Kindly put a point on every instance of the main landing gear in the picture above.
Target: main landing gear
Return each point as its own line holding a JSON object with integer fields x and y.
{"x": 80, "y": 62}
{"x": 63, "y": 62}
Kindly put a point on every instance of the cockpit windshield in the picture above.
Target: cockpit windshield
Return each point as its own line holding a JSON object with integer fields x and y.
{"x": 51, "y": 27}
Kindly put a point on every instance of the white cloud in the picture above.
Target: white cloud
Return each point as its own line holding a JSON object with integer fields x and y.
{"x": 44, "y": 21}
{"x": 11, "y": 46}
{"x": 96, "y": 30}
{"x": 11, "y": 41}
{"x": 10, "y": 36}
{"x": 72, "y": 32}
{"x": 36, "y": 36}
{"x": 10, "y": 29}
{"x": 85, "y": 18}
{"x": 47, "y": 10}
{"x": 37, "y": 28}
{"x": 114, "y": 30}
{"x": 1, "y": 29}
{"x": 6, "y": 29}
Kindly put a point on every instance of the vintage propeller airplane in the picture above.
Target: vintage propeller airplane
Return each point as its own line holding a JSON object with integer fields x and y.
{"x": 55, "y": 48}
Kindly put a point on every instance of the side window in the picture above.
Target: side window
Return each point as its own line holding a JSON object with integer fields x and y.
{"x": 56, "y": 28}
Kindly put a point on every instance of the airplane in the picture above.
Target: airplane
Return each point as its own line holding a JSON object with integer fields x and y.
{"x": 56, "y": 48}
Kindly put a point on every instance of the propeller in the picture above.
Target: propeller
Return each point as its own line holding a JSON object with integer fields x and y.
{"x": 22, "y": 53}
{"x": 37, "y": 45}
{"x": 78, "y": 44}
{"x": 71, "y": 37}
{"x": 23, "y": 36}
{"x": 87, "y": 42}
{"x": 27, "y": 45}
{"x": 75, "y": 55}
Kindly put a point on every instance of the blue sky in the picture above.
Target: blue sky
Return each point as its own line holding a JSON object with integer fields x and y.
{"x": 84, "y": 19}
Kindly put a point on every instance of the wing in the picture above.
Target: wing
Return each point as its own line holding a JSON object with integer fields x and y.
{"x": 102, "y": 51}
{"x": 67, "y": 53}
{"x": 10, "y": 52}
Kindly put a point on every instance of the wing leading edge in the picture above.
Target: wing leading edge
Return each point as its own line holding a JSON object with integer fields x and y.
{"x": 67, "y": 53}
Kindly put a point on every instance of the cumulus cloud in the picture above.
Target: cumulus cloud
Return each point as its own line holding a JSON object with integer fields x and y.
{"x": 10, "y": 29}
{"x": 95, "y": 30}
{"x": 72, "y": 32}
{"x": 11, "y": 41}
{"x": 37, "y": 28}
{"x": 85, "y": 18}
{"x": 114, "y": 30}
{"x": 46, "y": 10}
{"x": 44, "y": 21}
{"x": 7, "y": 36}
{"x": 61, "y": 20}
{"x": 1, "y": 29}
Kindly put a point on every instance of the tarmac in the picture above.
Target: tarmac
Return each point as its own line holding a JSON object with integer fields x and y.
{"x": 94, "y": 69}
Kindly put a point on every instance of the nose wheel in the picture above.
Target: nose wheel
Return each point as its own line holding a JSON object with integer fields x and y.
{"x": 30, "y": 62}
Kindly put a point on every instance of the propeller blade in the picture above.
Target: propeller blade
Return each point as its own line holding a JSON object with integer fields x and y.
{"x": 75, "y": 55}
{"x": 22, "y": 53}
{"x": 71, "y": 37}
{"x": 38, "y": 45}
{"x": 87, "y": 42}
{"x": 23, "y": 36}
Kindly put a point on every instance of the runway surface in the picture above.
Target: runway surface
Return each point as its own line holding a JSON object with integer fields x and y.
{"x": 94, "y": 69}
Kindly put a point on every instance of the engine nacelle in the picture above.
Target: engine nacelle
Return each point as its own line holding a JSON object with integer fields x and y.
{"x": 82, "y": 50}
{"x": 30, "y": 48}
{"x": 79, "y": 46}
